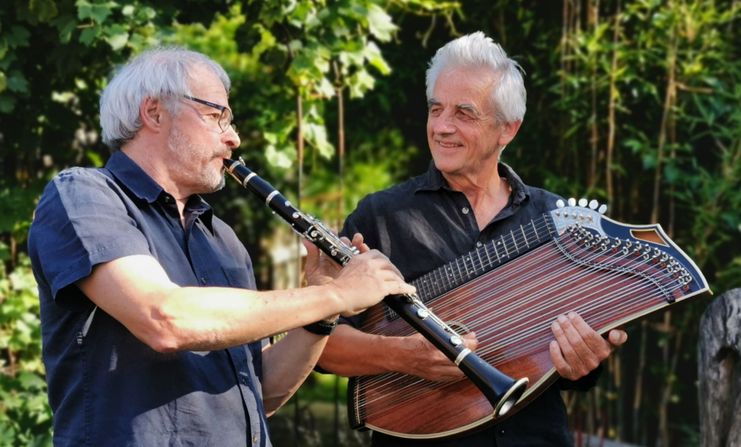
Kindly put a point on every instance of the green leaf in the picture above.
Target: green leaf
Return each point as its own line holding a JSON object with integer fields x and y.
{"x": 325, "y": 88}
{"x": 380, "y": 23}
{"x": 43, "y": 10}
{"x": 278, "y": 159}
{"x": 18, "y": 36}
{"x": 16, "y": 82}
{"x": 117, "y": 36}
{"x": 98, "y": 12}
{"x": 31, "y": 381}
{"x": 316, "y": 135}
{"x": 146, "y": 14}
{"x": 672, "y": 174}
{"x": 373, "y": 55}
{"x": 89, "y": 35}
{"x": 4, "y": 253}
{"x": 65, "y": 25}
{"x": 3, "y": 81}
{"x": 360, "y": 83}
{"x": 7, "y": 103}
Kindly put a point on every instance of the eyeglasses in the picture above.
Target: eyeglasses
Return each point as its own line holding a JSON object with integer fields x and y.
{"x": 225, "y": 118}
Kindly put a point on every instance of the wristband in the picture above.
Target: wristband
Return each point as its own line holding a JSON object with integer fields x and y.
{"x": 321, "y": 327}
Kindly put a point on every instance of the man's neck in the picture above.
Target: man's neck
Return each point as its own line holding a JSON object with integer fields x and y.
{"x": 158, "y": 170}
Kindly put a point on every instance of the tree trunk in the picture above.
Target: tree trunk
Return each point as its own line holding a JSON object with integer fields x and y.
{"x": 719, "y": 371}
{"x": 669, "y": 102}
{"x": 341, "y": 154}
{"x": 611, "y": 120}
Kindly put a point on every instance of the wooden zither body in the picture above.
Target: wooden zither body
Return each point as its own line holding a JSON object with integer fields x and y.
{"x": 508, "y": 292}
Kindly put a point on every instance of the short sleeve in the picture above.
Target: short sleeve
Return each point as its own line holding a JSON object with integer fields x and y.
{"x": 82, "y": 220}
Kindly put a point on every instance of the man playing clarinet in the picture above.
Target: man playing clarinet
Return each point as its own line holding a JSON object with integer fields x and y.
{"x": 151, "y": 325}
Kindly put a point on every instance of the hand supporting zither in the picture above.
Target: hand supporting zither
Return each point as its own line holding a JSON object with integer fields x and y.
{"x": 578, "y": 349}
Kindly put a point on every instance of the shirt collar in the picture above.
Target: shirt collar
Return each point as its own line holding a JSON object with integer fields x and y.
{"x": 133, "y": 177}
{"x": 433, "y": 180}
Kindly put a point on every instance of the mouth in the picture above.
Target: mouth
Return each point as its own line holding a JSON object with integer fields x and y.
{"x": 221, "y": 157}
{"x": 448, "y": 144}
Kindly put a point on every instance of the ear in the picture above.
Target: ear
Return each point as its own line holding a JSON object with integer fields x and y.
{"x": 509, "y": 130}
{"x": 151, "y": 112}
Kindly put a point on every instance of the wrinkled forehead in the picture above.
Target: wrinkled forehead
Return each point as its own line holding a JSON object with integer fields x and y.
{"x": 465, "y": 85}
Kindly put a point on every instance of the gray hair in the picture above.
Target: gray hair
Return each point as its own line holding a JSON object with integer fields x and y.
{"x": 477, "y": 50}
{"x": 158, "y": 73}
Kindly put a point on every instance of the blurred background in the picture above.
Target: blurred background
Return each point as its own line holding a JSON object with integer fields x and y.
{"x": 634, "y": 103}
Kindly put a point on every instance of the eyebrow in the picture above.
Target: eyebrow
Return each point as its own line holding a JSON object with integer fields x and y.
{"x": 465, "y": 106}
{"x": 470, "y": 108}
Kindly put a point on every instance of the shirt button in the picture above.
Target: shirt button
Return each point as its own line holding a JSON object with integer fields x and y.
{"x": 501, "y": 432}
{"x": 465, "y": 210}
{"x": 479, "y": 244}
{"x": 254, "y": 439}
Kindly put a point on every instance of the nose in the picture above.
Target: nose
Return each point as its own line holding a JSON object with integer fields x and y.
{"x": 231, "y": 138}
{"x": 442, "y": 124}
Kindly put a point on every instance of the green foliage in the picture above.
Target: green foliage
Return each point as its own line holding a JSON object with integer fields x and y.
{"x": 324, "y": 49}
{"x": 670, "y": 70}
{"x": 25, "y": 417}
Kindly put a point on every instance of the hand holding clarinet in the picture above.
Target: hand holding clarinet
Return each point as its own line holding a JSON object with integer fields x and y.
{"x": 368, "y": 270}
{"x": 501, "y": 390}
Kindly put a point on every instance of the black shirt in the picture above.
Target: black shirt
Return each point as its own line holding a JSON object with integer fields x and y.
{"x": 422, "y": 224}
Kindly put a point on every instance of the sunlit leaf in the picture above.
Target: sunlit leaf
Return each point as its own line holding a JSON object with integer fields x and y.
{"x": 96, "y": 11}
{"x": 279, "y": 159}
{"x": 117, "y": 36}
{"x": 373, "y": 55}
{"x": 380, "y": 23}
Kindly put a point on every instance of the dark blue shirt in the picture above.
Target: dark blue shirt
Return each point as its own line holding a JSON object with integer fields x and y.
{"x": 106, "y": 387}
{"x": 422, "y": 224}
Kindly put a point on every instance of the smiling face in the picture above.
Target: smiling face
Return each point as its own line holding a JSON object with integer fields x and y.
{"x": 464, "y": 135}
{"x": 196, "y": 145}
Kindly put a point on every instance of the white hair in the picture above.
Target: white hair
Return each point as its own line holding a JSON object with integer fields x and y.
{"x": 476, "y": 50}
{"x": 162, "y": 73}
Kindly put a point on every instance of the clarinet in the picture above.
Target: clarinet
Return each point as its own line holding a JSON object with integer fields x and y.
{"x": 501, "y": 390}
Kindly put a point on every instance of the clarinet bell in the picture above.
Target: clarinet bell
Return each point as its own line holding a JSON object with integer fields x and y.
{"x": 501, "y": 390}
